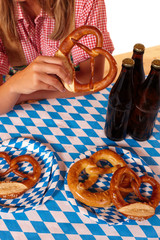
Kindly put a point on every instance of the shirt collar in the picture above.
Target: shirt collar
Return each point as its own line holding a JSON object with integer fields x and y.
{"x": 21, "y": 16}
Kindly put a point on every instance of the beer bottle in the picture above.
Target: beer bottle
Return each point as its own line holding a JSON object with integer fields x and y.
{"x": 120, "y": 103}
{"x": 144, "y": 113}
{"x": 138, "y": 70}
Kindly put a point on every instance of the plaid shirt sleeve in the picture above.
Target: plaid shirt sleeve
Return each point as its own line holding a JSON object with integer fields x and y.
{"x": 92, "y": 12}
{"x": 4, "y": 65}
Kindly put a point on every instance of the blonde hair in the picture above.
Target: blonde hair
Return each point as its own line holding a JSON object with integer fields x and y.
{"x": 61, "y": 10}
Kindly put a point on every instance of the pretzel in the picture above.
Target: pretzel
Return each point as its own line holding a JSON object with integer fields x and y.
{"x": 13, "y": 189}
{"x": 80, "y": 190}
{"x": 64, "y": 52}
{"x": 141, "y": 210}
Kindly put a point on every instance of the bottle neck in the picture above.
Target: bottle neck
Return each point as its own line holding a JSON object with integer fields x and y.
{"x": 137, "y": 55}
{"x": 155, "y": 71}
{"x": 149, "y": 92}
{"x": 126, "y": 76}
{"x": 138, "y": 72}
{"x": 121, "y": 93}
{"x": 153, "y": 79}
{"x": 138, "y": 59}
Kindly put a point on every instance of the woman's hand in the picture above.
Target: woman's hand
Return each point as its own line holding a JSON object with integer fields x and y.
{"x": 44, "y": 73}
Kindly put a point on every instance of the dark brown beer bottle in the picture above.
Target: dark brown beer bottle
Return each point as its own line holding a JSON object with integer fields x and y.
{"x": 138, "y": 70}
{"x": 120, "y": 103}
{"x": 144, "y": 113}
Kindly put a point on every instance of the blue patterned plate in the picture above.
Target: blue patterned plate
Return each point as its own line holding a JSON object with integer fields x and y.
{"x": 110, "y": 215}
{"x": 47, "y": 183}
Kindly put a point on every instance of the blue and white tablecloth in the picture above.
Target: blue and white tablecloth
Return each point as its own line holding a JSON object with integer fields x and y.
{"x": 69, "y": 128}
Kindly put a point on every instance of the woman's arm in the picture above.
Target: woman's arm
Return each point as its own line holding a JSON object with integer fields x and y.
{"x": 38, "y": 76}
{"x": 37, "y": 82}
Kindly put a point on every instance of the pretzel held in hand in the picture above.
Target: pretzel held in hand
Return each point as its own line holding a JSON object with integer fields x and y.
{"x": 64, "y": 52}
{"x": 80, "y": 190}
{"x": 13, "y": 189}
{"x": 137, "y": 210}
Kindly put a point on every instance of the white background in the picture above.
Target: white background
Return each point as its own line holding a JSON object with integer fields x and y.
{"x": 133, "y": 21}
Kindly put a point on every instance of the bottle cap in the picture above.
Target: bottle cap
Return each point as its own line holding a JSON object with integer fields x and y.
{"x": 138, "y": 47}
{"x": 156, "y": 64}
{"x": 128, "y": 62}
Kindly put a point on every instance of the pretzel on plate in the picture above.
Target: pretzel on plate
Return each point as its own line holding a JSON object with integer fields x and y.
{"x": 64, "y": 52}
{"x": 13, "y": 189}
{"x": 80, "y": 190}
{"x": 141, "y": 210}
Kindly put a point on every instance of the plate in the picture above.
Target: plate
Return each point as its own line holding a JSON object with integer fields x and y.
{"x": 43, "y": 190}
{"x": 110, "y": 215}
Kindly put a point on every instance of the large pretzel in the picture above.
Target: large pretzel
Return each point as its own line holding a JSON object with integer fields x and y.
{"x": 143, "y": 209}
{"x": 80, "y": 190}
{"x": 13, "y": 189}
{"x": 64, "y": 52}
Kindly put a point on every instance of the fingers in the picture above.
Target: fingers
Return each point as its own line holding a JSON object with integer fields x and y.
{"x": 48, "y": 82}
{"x": 44, "y": 73}
{"x": 52, "y": 65}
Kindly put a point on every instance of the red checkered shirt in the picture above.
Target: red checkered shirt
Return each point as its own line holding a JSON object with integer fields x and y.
{"x": 34, "y": 36}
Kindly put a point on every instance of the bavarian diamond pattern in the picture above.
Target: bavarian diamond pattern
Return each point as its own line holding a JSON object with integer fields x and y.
{"x": 69, "y": 128}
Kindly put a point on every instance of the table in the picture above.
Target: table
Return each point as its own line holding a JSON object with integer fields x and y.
{"x": 150, "y": 54}
{"x": 70, "y": 127}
